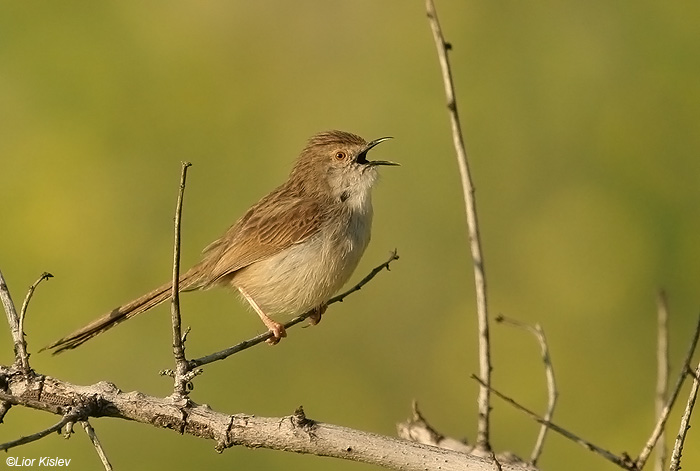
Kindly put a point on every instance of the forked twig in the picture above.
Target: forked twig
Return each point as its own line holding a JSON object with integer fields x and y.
{"x": 264, "y": 336}
{"x": 552, "y": 393}
{"x": 482, "y": 438}
{"x": 20, "y": 345}
{"x": 661, "y": 421}
{"x": 623, "y": 461}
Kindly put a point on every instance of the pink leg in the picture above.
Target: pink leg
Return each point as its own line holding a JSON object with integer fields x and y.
{"x": 276, "y": 328}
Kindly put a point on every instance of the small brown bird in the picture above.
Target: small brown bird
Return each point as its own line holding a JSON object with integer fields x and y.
{"x": 292, "y": 250}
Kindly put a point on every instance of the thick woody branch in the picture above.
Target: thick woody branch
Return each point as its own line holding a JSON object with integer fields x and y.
{"x": 300, "y": 318}
{"x": 295, "y": 433}
{"x": 482, "y": 439}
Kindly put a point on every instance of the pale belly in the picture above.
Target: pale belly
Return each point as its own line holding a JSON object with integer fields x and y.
{"x": 305, "y": 275}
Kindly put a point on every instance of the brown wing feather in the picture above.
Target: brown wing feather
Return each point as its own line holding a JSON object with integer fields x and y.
{"x": 274, "y": 224}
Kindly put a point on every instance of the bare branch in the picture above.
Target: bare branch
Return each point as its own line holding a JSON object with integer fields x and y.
{"x": 685, "y": 422}
{"x": 181, "y": 366}
{"x": 662, "y": 367}
{"x": 96, "y": 443}
{"x": 30, "y": 293}
{"x": 68, "y": 418}
{"x": 294, "y": 433}
{"x": 623, "y": 461}
{"x": 482, "y": 440}
{"x": 418, "y": 429}
{"x": 20, "y": 346}
{"x": 661, "y": 422}
{"x": 552, "y": 393}
{"x": 266, "y": 335}
{"x": 4, "y": 408}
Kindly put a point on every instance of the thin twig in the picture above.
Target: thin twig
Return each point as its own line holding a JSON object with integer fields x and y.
{"x": 181, "y": 366}
{"x": 96, "y": 443}
{"x": 4, "y": 408}
{"x": 623, "y": 461}
{"x": 30, "y": 293}
{"x": 662, "y": 367}
{"x": 661, "y": 421}
{"x": 68, "y": 418}
{"x": 20, "y": 346}
{"x": 552, "y": 393}
{"x": 685, "y": 423}
{"x": 266, "y": 335}
{"x": 482, "y": 439}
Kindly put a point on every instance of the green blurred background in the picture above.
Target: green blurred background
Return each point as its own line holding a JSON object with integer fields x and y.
{"x": 581, "y": 120}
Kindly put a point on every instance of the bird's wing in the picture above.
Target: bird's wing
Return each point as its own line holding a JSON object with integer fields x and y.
{"x": 272, "y": 225}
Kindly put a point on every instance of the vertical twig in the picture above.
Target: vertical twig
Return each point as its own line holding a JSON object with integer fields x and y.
{"x": 20, "y": 346}
{"x": 96, "y": 443}
{"x": 552, "y": 393}
{"x": 482, "y": 439}
{"x": 181, "y": 367}
{"x": 661, "y": 421}
{"x": 661, "y": 373}
{"x": 685, "y": 422}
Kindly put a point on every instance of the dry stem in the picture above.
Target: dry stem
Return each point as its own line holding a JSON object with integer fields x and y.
{"x": 661, "y": 374}
{"x": 20, "y": 345}
{"x": 685, "y": 421}
{"x": 180, "y": 375}
{"x": 552, "y": 393}
{"x": 482, "y": 438}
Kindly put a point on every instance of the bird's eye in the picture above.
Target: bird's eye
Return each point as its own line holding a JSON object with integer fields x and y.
{"x": 340, "y": 155}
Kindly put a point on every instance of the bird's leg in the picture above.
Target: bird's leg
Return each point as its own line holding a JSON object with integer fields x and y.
{"x": 315, "y": 318}
{"x": 276, "y": 328}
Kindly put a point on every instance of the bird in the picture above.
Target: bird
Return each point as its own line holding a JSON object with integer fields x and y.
{"x": 292, "y": 250}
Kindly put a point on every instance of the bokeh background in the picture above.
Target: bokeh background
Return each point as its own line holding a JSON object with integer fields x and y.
{"x": 581, "y": 121}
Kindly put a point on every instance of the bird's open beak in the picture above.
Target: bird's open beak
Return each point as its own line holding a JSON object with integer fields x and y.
{"x": 362, "y": 158}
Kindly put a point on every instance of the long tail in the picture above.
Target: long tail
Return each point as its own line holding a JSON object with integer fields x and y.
{"x": 122, "y": 313}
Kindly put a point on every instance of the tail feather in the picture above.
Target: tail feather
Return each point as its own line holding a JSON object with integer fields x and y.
{"x": 120, "y": 314}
